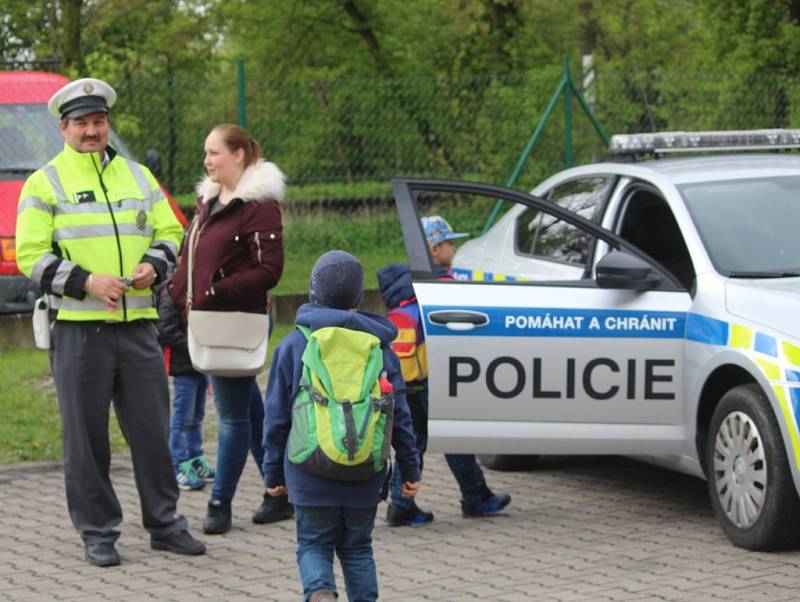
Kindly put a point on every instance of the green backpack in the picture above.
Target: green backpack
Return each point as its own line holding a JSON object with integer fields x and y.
{"x": 341, "y": 419}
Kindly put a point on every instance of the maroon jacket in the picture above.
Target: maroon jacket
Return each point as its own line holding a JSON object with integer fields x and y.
{"x": 239, "y": 255}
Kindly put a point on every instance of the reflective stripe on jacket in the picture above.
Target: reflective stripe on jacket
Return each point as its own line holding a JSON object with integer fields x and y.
{"x": 77, "y": 217}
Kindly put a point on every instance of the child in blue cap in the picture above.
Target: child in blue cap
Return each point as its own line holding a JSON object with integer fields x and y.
{"x": 396, "y": 288}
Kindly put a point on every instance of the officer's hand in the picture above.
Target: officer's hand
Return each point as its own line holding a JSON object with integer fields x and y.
{"x": 410, "y": 489}
{"x": 108, "y": 289}
{"x": 279, "y": 490}
{"x": 144, "y": 276}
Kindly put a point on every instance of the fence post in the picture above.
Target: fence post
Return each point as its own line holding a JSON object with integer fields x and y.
{"x": 568, "y": 155}
{"x": 568, "y": 89}
{"x": 527, "y": 151}
{"x": 242, "y": 105}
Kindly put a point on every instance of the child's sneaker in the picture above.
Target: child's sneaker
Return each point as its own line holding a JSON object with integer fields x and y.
{"x": 202, "y": 469}
{"x": 407, "y": 517}
{"x": 187, "y": 477}
{"x": 491, "y": 504}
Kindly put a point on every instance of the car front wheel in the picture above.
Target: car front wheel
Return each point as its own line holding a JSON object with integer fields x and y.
{"x": 749, "y": 479}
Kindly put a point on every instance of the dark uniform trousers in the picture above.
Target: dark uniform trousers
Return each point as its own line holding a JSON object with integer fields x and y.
{"x": 94, "y": 363}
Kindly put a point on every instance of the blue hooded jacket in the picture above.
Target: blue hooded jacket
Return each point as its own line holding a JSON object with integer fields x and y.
{"x": 395, "y": 284}
{"x": 306, "y": 489}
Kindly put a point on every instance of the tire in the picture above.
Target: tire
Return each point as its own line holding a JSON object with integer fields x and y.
{"x": 749, "y": 479}
{"x": 508, "y": 462}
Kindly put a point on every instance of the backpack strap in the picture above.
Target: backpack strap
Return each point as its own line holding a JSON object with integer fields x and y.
{"x": 313, "y": 393}
{"x": 350, "y": 441}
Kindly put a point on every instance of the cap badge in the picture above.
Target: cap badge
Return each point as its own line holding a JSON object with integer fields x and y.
{"x": 88, "y": 88}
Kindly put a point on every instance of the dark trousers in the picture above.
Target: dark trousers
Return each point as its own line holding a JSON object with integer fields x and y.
{"x": 465, "y": 467}
{"x": 94, "y": 363}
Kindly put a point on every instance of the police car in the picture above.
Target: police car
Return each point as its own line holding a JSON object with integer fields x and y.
{"x": 637, "y": 307}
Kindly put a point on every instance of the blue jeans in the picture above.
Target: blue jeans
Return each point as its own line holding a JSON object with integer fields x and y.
{"x": 465, "y": 467}
{"x": 348, "y": 532}
{"x": 188, "y": 411}
{"x": 240, "y": 414}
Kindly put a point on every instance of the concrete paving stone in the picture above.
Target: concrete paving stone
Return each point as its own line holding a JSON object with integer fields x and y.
{"x": 513, "y": 597}
{"x": 782, "y": 579}
{"x": 733, "y": 581}
{"x": 581, "y": 529}
{"x": 288, "y": 596}
{"x": 22, "y": 594}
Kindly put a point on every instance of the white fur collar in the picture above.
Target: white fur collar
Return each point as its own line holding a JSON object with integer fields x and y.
{"x": 262, "y": 180}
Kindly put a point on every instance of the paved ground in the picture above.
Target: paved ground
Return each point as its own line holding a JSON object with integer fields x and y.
{"x": 578, "y": 529}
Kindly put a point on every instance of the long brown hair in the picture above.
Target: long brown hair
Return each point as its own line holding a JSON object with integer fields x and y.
{"x": 235, "y": 137}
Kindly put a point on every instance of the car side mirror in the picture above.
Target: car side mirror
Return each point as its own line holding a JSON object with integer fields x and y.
{"x": 619, "y": 269}
{"x": 153, "y": 161}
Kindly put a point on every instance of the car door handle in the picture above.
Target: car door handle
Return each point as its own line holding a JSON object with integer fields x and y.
{"x": 458, "y": 319}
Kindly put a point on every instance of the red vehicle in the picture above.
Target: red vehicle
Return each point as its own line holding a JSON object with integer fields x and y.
{"x": 29, "y": 138}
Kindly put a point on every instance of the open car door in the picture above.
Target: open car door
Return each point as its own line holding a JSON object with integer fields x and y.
{"x": 587, "y": 359}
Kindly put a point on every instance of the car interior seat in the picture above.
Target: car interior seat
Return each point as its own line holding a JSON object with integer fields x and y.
{"x": 649, "y": 224}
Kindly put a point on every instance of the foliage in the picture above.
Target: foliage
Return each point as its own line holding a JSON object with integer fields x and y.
{"x": 352, "y": 91}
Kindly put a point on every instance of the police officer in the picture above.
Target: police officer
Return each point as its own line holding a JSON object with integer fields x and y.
{"x": 96, "y": 233}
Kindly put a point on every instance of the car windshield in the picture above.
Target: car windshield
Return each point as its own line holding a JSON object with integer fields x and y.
{"x": 749, "y": 227}
{"x": 29, "y": 138}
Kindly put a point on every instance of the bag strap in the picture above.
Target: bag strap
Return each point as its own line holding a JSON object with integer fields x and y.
{"x": 304, "y": 329}
{"x": 194, "y": 234}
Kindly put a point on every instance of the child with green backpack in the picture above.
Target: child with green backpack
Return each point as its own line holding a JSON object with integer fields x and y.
{"x": 333, "y": 408}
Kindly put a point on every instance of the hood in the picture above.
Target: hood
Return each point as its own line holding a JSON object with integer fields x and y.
{"x": 260, "y": 181}
{"x": 395, "y": 284}
{"x": 317, "y": 316}
{"x": 771, "y": 302}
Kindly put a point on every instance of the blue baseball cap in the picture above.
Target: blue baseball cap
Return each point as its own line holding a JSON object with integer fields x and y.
{"x": 438, "y": 230}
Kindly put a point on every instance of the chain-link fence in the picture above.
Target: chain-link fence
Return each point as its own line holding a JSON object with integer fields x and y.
{"x": 347, "y": 138}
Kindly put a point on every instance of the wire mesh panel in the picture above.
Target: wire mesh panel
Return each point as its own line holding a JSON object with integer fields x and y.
{"x": 346, "y": 138}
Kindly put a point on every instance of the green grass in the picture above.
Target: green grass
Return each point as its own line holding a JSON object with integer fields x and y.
{"x": 31, "y": 429}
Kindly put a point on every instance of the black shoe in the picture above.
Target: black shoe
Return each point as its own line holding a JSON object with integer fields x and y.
{"x": 407, "y": 517}
{"x": 218, "y": 519}
{"x": 273, "y": 509}
{"x": 102, "y": 554}
{"x": 180, "y": 542}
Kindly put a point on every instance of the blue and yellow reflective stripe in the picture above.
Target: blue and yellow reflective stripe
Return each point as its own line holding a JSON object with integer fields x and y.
{"x": 481, "y": 276}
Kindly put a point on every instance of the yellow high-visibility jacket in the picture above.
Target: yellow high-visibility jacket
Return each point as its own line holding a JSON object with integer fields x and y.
{"x": 77, "y": 216}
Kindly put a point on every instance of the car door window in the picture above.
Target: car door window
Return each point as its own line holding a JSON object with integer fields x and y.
{"x": 545, "y": 236}
{"x": 648, "y": 222}
{"x": 584, "y": 196}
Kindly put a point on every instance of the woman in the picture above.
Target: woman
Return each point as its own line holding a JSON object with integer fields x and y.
{"x": 239, "y": 258}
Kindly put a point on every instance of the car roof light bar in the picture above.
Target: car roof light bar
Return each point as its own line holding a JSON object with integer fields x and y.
{"x": 685, "y": 142}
